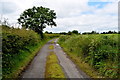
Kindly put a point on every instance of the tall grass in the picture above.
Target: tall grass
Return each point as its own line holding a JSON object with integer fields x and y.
{"x": 99, "y": 51}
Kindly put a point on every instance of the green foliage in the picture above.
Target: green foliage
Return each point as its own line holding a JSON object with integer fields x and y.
{"x": 75, "y": 32}
{"x": 51, "y": 36}
{"x": 69, "y": 32}
{"x": 100, "y": 51}
{"x": 15, "y": 40}
{"x": 19, "y": 46}
{"x": 14, "y": 44}
{"x": 37, "y": 18}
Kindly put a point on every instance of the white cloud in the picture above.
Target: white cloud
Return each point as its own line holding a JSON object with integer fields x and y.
{"x": 103, "y": 0}
{"x": 70, "y": 14}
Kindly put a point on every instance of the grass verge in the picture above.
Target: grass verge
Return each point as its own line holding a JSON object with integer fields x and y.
{"x": 91, "y": 72}
{"x": 51, "y": 47}
{"x": 53, "y": 69}
{"x": 97, "y": 50}
{"x": 23, "y": 59}
{"x": 52, "y": 42}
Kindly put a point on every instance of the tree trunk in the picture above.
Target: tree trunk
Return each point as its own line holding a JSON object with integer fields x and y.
{"x": 41, "y": 35}
{"x": 41, "y": 31}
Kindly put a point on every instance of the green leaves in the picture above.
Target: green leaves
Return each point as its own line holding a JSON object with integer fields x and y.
{"x": 37, "y": 18}
{"x": 100, "y": 51}
{"x": 13, "y": 42}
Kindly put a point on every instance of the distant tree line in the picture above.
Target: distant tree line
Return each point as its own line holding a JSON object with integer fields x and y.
{"x": 94, "y": 32}
{"x": 65, "y": 33}
{"x": 110, "y": 32}
{"x": 76, "y": 32}
{"x": 48, "y": 32}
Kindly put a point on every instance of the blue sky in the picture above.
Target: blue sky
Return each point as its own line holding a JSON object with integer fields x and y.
{"x": 98, "y": 4}
{"x": 81, "y": 15}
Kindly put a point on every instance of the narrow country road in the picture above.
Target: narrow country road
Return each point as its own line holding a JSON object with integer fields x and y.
{"x": 69, "y": 67}
{"x": 37, "y": 67}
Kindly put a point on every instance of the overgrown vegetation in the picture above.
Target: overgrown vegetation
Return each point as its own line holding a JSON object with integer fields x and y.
{"x": 99, "y": 51}
{"x": 18, "y": 49}
{"x": 53, "y": 69}
{"x": 52, "y": 35}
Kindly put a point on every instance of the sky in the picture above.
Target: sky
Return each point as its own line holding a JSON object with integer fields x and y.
{"x": 81, "y": 15}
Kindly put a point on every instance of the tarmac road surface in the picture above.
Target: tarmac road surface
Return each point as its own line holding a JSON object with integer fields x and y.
{"x": 37, "y": 67}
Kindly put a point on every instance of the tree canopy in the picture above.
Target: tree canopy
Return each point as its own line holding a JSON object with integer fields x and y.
{"x": 75, "y": 32}
{"x": 37, "y": 18}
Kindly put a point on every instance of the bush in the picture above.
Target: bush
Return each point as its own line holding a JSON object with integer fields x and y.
{"x": 14, "y": 42}
{"x": 100, "y": 51}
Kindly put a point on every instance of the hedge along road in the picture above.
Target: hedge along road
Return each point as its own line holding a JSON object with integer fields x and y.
{"x": 37, "y": 67}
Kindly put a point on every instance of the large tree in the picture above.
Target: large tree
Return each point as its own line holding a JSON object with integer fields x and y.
{"x": 37, "y": 18}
